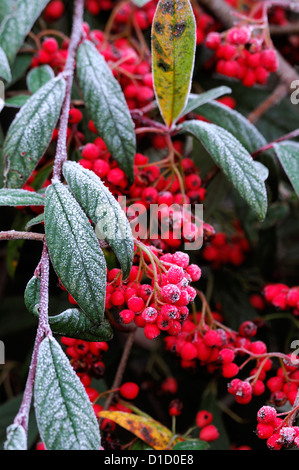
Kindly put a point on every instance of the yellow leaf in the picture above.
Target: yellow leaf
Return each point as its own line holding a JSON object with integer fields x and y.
{"x": 147, "y": 429}
{"x": 173, "y": 51}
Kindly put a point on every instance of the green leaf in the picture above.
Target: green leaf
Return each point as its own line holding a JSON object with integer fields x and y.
{"x": 64, "y": 413}
{"x": 16, "y": 101}
{"x": 7, "y": 6}
{"x": 39, "y": 219}
{"x": 16, "y": 438}
{"x": 32, "y": 295}
{"x": 105, "y": 212}
{"x": 191, "y": 444}
{"x": 233, "y": 122}
{"x": 39, "y": 76}
{"x": 31, "y": 131}
{"x": 195, "y": 101}
{"x": 173, "y": 53}
{"x": 107, "y": 107}
{"x": 75, "y": 251}
{"x": 20, "y": 197}
{"x": 4, "y": 66}
{"x": 18, "y": 24}
{"x": 235, "y": 162}
{"x": 20, "y": 66}
{"x": 74, "y": 324}
{"x": 288, "y": 155}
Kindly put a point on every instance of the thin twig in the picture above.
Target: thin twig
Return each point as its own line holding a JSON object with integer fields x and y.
{"x": 14, "y": 235}
{"x": 121, "y": 369}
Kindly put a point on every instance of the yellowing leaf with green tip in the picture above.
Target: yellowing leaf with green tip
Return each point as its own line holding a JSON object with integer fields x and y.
{"x": 147, "y": 429}
{"x": 173, "y": 52}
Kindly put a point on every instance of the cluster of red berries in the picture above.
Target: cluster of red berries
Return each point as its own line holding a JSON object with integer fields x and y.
{"x": 51, "y": 53}
{"x": 242, "y": 55}
{"x": 284, "y": 385}
{"x": 277, "y": 432}
{"x": 208, "y": 431}
{"x": 283, "y": 297}
{"x": 162, "y": 304}
{"x": 96, "y": 6}
{"x": 223, "y": 249}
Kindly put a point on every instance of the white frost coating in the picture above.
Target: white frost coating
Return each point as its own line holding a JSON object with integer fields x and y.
{"x": 31, "y": 131}
{"x": 64, "y": 413}
{"x": 16, "y": 438}
{"x": 103, "y": 209}
{"x": 20, "y": 197}
{"x": 74, "y": 251}
{"x": 235, "y": 161}
{"x": 15, "y": 27}
{"x": 235, "y": 123}
{"x": 107, "y": 106}
{"x": 288, "y": 155}
{"x": 4, "y": 66}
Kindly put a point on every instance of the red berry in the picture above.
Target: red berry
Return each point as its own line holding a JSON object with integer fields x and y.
{"x": 203, "y": 418}
{"x": 269, "y": 60}
{"x": 75, "y": 116}
{"x": 264, "y": 431}
{"x": 188, "y": 351}
{"x": 267, "y": 415}
{"x": 151, "y": 331}
{"x": 209, "y": 433}
{"x": 91, "y": 152}
{"x": 54, "y": 10}
{"x": 129, "y": 390}
{"x": 127, "y": 316}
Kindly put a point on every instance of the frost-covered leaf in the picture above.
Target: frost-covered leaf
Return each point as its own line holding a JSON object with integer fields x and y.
{"x": 173, "y": 52}
{"x": 288, "y": 155}
{"x": 16, "y": 101}
{"x": 32, "y": 295}
{"x": 39, "y": 76}
{"x": 195, "y": 101}
{"x": 64, "y": 413}
{"x": 7, "y": 7}
{"x": 106, "y": 105}
{"x": 74, "y": 324}
{"x": 234, "y": 122}
{"x": 18, "y": 23}
{"x": 20, "y": 197}
{"x": 75, "y": 251}
{"x": 31, "y": 131}
{"x": 235, "y": 162}
{"x": 4, "y": 66}
{"x": 105, "y": 212}
{"x": 39, "y": 219}
{"x": 16, "y": 438}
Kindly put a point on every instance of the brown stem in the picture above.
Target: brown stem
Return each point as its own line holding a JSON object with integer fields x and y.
{"x": 121, "y": 369}
{"x": 280, "y": 92}
{"x": 14, "y": 235}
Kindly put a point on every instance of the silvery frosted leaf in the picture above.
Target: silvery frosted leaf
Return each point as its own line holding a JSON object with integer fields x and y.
{"x": 75, "y": 251}
{"x": 19, "y": 19}
{"x": 105, "y": 212}
{"x": 234, "y": 160}
{"x": 20, "y": 197}
{"x": 106, "y": 105}
{"x": 31, "y": 131}
{"x": 288, "y": 155}
{"x": 16, "y": 438}
{"x": 195, "y": 101}
{"x": 64, "y": 413}
{"x": 234, "y": 122}
{"x": 4, "y": 66}
{"x": 32, "y": 295}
